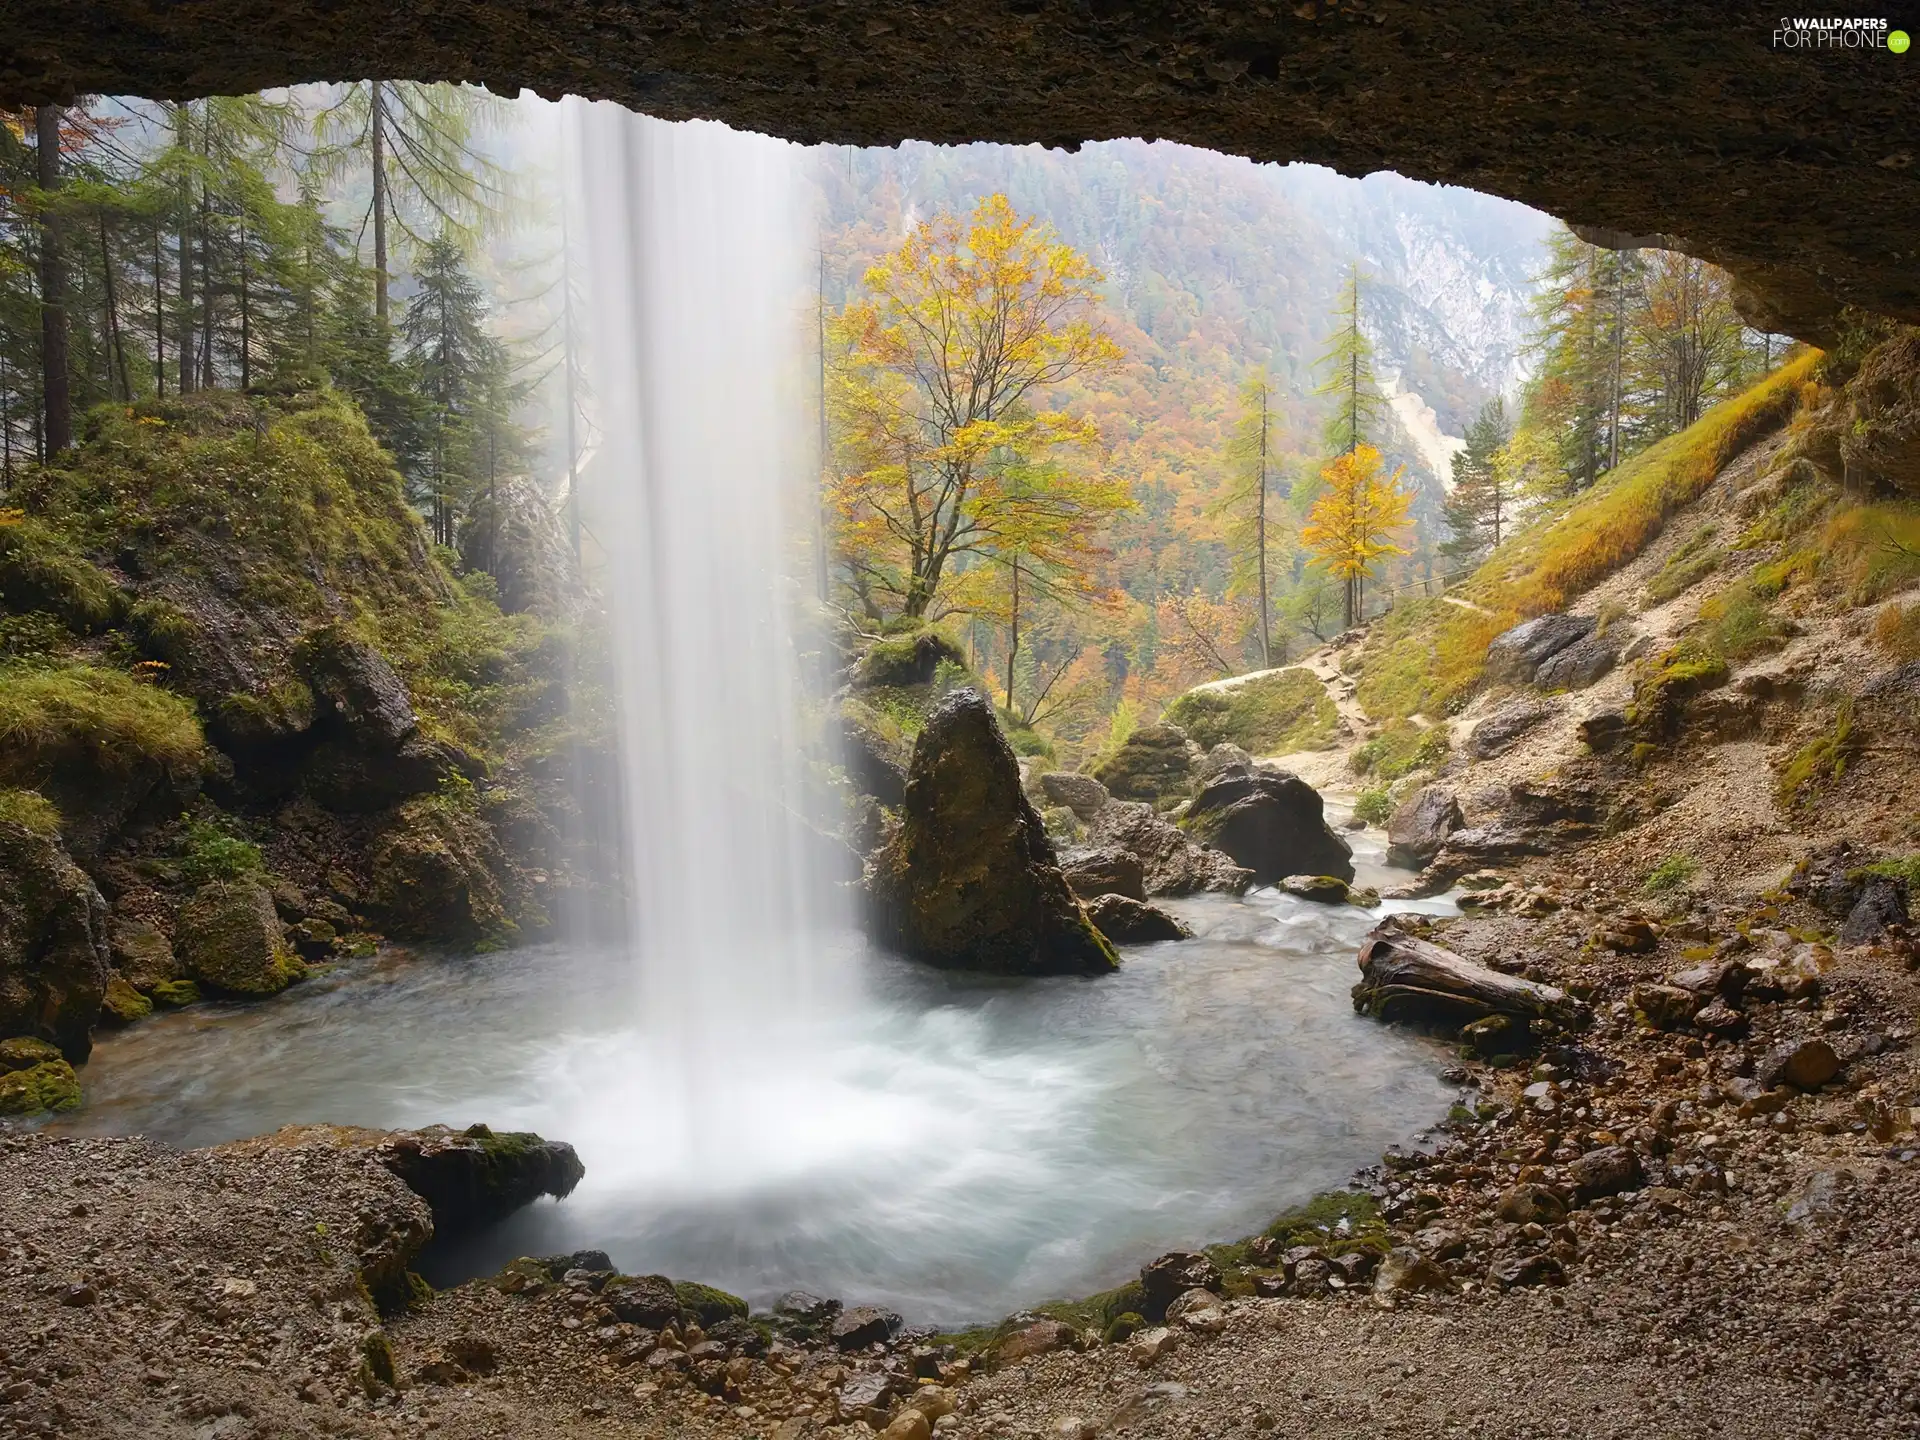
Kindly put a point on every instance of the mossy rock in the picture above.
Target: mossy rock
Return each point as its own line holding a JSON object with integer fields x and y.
{"x": 1123, "y": 1327}
{"x": 23, "y": 1052}
{"x": 173, "y": 994}
{"x": 124, "y": 1004}
{"x": 50, "y": 1087}
{"x": 708, "y": 1304}
{"x": 437, "y": 873}
{"x": 1271, "y": 713}
{"x": 1154, "y": 764}
{"x": 231, "y": 939}
{"x": 53, "y": 955}
{"x": 141, "y": 952}
{"x": 906, "y": 660}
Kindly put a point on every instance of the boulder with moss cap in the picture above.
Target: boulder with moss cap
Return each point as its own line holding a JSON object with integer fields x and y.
{"x": 970, "y": 881}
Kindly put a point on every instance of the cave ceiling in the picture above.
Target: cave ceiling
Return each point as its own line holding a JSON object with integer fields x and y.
{"x": 1795, "y": 168}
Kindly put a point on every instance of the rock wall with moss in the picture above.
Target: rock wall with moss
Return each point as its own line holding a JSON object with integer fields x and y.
{"x": 237, "y": 683}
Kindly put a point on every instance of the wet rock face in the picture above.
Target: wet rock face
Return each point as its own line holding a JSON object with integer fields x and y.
{"x": 54, "y": 961}
{"x": 1130, "y": 922}
{"x": 1272, "y": 822}
{"x": 970, "y": 881}
{"x": 1421, "y": 826}
{"x": 1657, "y": 150}
{"x": 1106, "y": 871}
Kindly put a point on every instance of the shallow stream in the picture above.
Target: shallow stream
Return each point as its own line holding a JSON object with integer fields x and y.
{"x": 952, "y": 1147}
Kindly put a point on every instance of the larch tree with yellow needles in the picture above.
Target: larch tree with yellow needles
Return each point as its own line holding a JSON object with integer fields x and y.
{"x": 1353, "y": 522}
{"x": 950, "y": 466}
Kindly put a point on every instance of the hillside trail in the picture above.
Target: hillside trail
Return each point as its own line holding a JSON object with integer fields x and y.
{"x": 1327, "y": 769}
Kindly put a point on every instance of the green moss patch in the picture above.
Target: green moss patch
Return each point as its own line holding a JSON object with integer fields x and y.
{"x": 105, "y": 719}
{"x": 1269, "y": 714}
{"x": 50, "y": 1087}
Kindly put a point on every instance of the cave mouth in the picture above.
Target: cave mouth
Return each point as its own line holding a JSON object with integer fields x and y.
{"x": 1785, "y": 162}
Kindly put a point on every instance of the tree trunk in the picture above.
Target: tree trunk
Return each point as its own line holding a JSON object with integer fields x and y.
{"x": 56, "y": 395}
{"x": 159, "y": 321}
{"x": 1260, "y": 538}
{"x": 377, "y": 137}
{"x": 1405, "y": 978}
{"x": 183, "y": 119}
{"x": 206, "y": 288}
{"x": 1013, "y": 633}
{"x": 246, "y": 318}
{"x": 113, "y": 312}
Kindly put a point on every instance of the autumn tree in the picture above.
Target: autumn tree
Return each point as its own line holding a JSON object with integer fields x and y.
{"x": 1688, "y": 343}
{"x": 1353, "y": 521}
{"x": 1259, "y": 542}
{"x": 948, "y": 459}
{"x": 1346, "y": 370}
{"x": 1479, "y": 507}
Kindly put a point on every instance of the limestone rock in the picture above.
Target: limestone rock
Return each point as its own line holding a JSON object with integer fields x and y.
{"x": 1082, "y": 794}
{"x": 971, "y": 880}
{"x": 1405, "y": 1271}
{"x": 1173, "y": 1274}
{"x": 909, "y": 1424}
{"x": 875, "y": 751}
{"x": 864, "y": 1325}
{"x": 1803, "y": 1064}
{"x": 141, "y": 952}
{"x": 437, "y": 872}
{"x": 1321, "y": 889}
{"x": 1606, "y": 1171}
{"x": 1043, "y": 1337}
{"x": 54, "y": 960}
{"x": 1271, "y": 822}
{"x": 1576, "y": 666}
{"x": 1882, "y": 903}
{"x": 231, "y": 939}
{"x": 1105, "y": 871}
{"x": 1149, "y": 1346}
{"x": 645, "y": 1300}
{"x": 1155, "y": 764}
{"x": 1420, "y": 826}
{"x": 1516, "y": 655}
{"x": 1500, "y": 730}
{"x": 1169, "y": 859}
{"x": 1133, "y": 922}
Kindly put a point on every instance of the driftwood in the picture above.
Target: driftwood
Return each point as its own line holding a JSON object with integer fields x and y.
{"x": 1405, "y": 978}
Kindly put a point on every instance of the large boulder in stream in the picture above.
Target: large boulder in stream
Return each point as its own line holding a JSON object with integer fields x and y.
{"x": 1270, "y": 821}
{"x": 1154, "y": 764}
{"x": 1170, "y": 862}
{"x": 970, "y": 880}
{"x": 1419, "y": 828}
{"x": 54, "y": 962}
{"x": 230, "y": 938}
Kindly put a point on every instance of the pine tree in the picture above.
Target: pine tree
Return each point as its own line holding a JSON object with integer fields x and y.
{"x": 455, "y": 364}
{"x": 1257, "y": 538}
{"x": 1479, "y": 507}
{"x": 1346, "y": 368}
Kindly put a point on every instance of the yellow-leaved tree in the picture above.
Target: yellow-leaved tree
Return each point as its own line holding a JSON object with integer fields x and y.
{"x": 954, "y": 488}
{"x": 1353, "y": 522}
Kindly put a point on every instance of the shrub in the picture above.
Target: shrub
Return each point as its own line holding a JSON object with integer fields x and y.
{"x": 1670, "y": 874}
{"x": 214, "y": 854}
{"x": 110, "y": 719}
{"x": 1873, "y": 550}
{"x": 1896, "y": 629}
{"x": 1400, "y": 749}
{"x": 1375, "y": 806}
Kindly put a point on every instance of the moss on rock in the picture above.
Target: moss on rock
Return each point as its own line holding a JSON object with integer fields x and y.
{"x": 1154, "y": 764}
{"x": 435, "y": 869}
{"x": 175, "y": 993}
{"x": 709, "y": 1304}
{"x": 231, "y": 939}
{"x": 50, "y": 1087}
{"x": 23, "y": 1052}
{"x": 124, "y": 1004}
{"x": 53, "y": 948}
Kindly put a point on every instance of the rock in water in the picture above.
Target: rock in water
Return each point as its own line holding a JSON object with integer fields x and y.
{"x": 1108, "y": 871}
{"x": 231, "y": 938}
{"x": 1171, "y": 863}
{"x": 54, "y": 959}
{"x": 1133, "y": 922}
{"x": 1082, "y": 794}
{"x": 971, "y": 881}
{"x": 1420, "y": 827}
{"x": 1272, "y": 822}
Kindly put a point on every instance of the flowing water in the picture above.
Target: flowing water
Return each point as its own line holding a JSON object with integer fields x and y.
{"x": 760, "y": 1101}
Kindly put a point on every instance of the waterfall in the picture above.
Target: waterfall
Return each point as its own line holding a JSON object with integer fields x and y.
{"x": 699, "y": 243}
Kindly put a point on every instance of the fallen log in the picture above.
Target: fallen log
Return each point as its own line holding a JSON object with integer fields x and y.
{"x": 1403, "y": 977}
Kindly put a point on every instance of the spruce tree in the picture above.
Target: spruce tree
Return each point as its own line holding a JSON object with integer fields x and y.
{"x": 1479, "y": 507}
